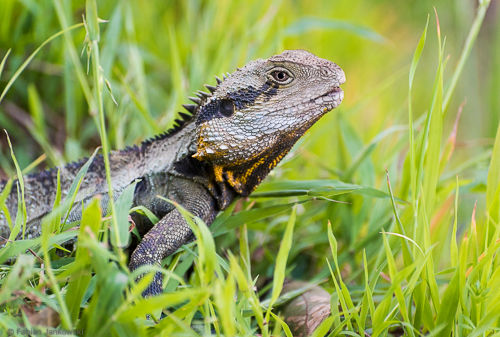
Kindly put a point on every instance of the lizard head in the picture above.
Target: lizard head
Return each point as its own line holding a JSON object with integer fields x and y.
{"x": 256, "y": 114}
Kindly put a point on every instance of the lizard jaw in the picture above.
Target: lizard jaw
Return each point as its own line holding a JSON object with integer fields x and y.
{"x": 330, "y": 100}
{"x": 336, "y": 96}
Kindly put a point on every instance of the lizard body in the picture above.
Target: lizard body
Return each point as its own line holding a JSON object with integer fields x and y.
{"x": 231, "y": 139}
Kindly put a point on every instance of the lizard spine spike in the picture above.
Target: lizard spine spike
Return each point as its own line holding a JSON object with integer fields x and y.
{"x": 195, "y": 99}
{"x": 202, "y": 94}
{"x": 190, "y": 107}
{"x": 184, "y": 116}
{"x": 219, "y": 81}
{"x": 210, "y": 88}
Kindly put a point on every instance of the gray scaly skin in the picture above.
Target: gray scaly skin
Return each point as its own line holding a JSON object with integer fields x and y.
{"x": 232, "y": 138}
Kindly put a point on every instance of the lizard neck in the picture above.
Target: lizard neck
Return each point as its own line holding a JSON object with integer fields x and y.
{"x": 244, "y": 176}
{"x": 173, "y": 154}
{"x": 203, "y": 172}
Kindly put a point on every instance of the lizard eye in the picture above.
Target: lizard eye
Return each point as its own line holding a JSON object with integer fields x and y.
{"x": 281, "y": 76}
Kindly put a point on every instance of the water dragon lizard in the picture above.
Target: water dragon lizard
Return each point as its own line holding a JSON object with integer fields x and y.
{"x": 226, "y": 144}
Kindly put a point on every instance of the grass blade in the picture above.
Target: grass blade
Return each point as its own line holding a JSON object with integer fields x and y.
{"x": 281, "y": 259}
{"x": 30, "y": 58}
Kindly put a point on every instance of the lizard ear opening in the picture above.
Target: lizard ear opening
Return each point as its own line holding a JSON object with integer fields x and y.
{"x": 226, "y": 107}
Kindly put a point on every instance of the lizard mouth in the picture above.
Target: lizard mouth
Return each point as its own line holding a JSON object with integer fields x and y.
{"x": 331, "y": 99}
{"x": 334, "y": 92}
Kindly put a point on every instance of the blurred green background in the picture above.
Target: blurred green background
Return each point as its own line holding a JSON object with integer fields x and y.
{"x": 154, "y": 54}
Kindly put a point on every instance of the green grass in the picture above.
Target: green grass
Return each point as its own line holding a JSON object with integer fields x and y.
{"x": 411, "y": 248}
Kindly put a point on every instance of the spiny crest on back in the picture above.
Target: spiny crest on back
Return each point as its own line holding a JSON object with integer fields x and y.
{"x": 192, "y": 110}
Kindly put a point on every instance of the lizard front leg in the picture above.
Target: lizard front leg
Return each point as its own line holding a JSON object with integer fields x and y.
{"x": 172, "y": 231}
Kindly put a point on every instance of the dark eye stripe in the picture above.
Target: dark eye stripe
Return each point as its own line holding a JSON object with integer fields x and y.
{"x": 245, "y": 97}
{"x": 239, "y": 99}
{"x": 214, "y": 109}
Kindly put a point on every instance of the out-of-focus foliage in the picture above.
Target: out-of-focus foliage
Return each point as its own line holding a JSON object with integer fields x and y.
{"x": 435, "y": 270}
